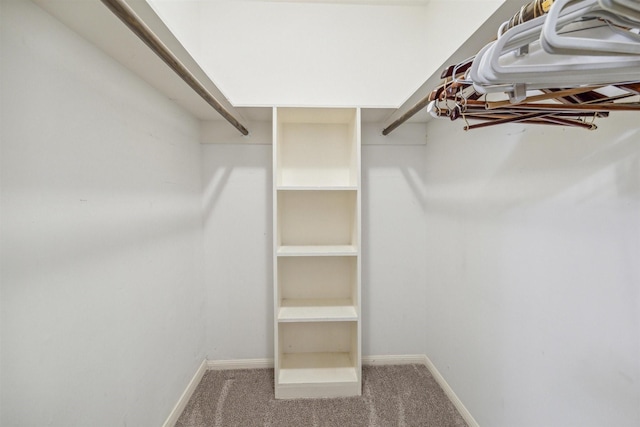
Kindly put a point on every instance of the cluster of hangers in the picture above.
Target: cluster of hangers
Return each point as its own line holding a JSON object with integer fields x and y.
{"x": 562, "y": 62}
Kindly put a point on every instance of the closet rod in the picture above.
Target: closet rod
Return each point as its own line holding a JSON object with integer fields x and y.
{"x": 504, "y": 12}
{"x": 406, "y": 116}
{"x": 131, "y": 20}
{"x": 447, "y": 74}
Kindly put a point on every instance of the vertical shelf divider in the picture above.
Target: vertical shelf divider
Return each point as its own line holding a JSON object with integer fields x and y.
{"x": 317, "y": 252}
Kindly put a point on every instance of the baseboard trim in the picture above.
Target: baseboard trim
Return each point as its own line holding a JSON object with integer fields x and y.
{"x": 186, "y": 395}
{"x": 450, "y": 393}
{"x": 407, "y": 359}
{"x": 403, "y": 359}
{"x": 220, "y": 365}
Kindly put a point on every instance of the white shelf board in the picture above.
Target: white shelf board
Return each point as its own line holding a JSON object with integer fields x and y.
{"x": 317, "y": 188}
{"x": 317, "y": 310}
{"x": 290, "y": 177}
{"x": 329, "y": 250}
{"x": 305, "y": 368}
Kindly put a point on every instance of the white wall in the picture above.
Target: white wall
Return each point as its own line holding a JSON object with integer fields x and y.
{"x": 238, "y": 248}
{"x": 102, "y": 282}
{"x": 533, "y": 277}
{"x": 309, "y": 53}
{"x": 237, "y": 239}
{"x": 394, "y": 241}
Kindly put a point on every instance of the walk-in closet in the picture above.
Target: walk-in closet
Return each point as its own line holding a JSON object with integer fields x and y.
{"x": 320, "y": 213}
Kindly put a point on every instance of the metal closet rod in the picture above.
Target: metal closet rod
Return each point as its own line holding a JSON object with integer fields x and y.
{"x": 406, "y": 116}
{"x": 131, "y": 20}
{"x": 529, "y": 11}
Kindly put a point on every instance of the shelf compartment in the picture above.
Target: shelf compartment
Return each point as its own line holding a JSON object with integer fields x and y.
{"x": 322, "y": 288}
{"x": 317, "y": 218}
{"x": 304, "y": 368}
{"x": 318, "y": 353}
{"x": 317, "y": 310}
{"x": 317, "y": 147}
{"x": 318, "y": 375}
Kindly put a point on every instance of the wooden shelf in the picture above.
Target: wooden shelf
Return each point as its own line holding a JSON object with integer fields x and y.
{"x": 317, "y": 188}
{"x": 317, "y": 310}
{"x": 330, "y": 250}
{"x": 305, "y": 368}
{"x": 317, "y": 231}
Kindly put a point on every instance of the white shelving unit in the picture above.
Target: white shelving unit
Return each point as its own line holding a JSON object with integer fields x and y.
{"x": 316, "y": 202}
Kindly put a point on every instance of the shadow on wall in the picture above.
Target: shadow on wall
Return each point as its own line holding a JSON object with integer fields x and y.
{"x": 239, "y": 156}
{"x": 237, "y": 219}
{"x": 393, "y": 248}
{"x": 76, "y": 239}
{"x": 499, "y": 169}
{"x": 395, "y": 161}
{"x": 94, "y": 162}
{"x": 237, "y": 205}
{"x": 101, "y": 234}
{"x": 532, "y": 271}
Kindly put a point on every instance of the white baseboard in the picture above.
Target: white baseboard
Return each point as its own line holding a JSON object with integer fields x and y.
{"x": 408, "y": 359}
{"x": 403, "y": 359}
{"x": 422, "y": 359}
{"x": 220, "y": 365}
{"x": 450, "y": 393}
{"x": 186, "y": 395}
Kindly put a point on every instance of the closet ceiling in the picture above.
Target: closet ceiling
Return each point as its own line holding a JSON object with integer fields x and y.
{"x": 388, "y": 2}
{"x": 367, "y": 53}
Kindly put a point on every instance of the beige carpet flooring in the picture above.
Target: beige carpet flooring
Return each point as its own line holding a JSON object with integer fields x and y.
{"x": 399, "y": 395}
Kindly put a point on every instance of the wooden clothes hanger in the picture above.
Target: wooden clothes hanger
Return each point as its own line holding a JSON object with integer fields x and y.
{"x": 521, "y": 78}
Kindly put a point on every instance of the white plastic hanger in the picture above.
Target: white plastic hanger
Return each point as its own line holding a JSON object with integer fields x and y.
{"x": 538, "y": 69}
{"x": 628, "y": 8}
{"x": 631, "y": 4}
{"x": 606, "y": 40}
